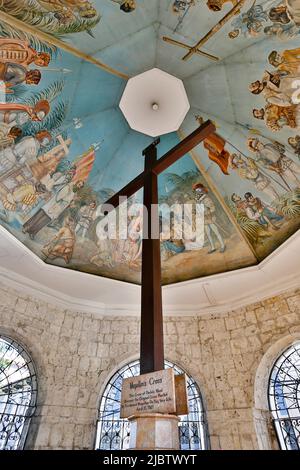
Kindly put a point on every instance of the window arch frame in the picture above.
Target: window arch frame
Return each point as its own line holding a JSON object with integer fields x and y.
{"x": 22, "y": 418}
{"x": 187, "y": 431}
{"x": 287, "y": 426}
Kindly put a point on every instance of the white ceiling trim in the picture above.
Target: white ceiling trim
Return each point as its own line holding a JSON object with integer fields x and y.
{"x": 22, "y": 270}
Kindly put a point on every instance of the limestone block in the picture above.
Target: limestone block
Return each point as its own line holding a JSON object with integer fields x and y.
{"x": 294, "y": 303}
{"x": 108, "y": 338}
{"x": 230, "y": 323}
{"x": 43, "y": 435}
{"x": 117, "y": 338}
{"x": 56, "y": 436}
{"x": 251, "y": 317}
{"x": 239, "y": 344}
{"x": 268, "y": 325}
{"x": 21, "y": 305}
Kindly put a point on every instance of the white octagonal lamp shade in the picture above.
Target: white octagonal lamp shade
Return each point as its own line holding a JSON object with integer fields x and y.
{"x": 155, "y": 103}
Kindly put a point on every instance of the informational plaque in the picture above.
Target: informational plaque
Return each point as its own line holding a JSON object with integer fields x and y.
{"x": 182, "y": 407}
{"x": 149, "y": 393}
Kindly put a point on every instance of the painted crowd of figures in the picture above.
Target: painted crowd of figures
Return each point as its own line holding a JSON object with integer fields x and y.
{"x": 268, "y": 169}
{"x": 67, "y": 12}
{"x": 37, "y": 182}
{"x": 275, "y": 19}
{"x": 280, "y": 18}
{"x": 281, "y": 91}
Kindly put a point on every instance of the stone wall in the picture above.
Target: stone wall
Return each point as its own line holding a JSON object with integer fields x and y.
{"x": 76, "y": 353}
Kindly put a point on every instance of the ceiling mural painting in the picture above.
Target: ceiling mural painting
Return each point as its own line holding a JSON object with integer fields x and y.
{"x": 223, "y": 247}
{"x": 181, "y": 37}
{"x": 56, "y": 17}
{"x": 258, "y": 178}
{"x": 65, "y": 146}
{"x": 273, "y": 19}
{"x": 257, "y": 118}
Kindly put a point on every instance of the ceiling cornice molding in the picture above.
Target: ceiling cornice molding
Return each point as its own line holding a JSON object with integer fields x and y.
{"x": 19, "y": 283}
{"x": 37, "y": 290}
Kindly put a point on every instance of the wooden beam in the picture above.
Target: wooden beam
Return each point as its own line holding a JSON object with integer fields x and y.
{"x": 128, "y": 190}
{"x": 152, "y": 338}
{"x": 164, "y": 162}
{"x": 152, "y": 343}
{"x": 184, "y": 147}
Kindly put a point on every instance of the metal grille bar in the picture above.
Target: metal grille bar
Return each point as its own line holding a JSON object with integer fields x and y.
{"x": 284, "y": 398}
{"x": 18, "y": 392}
{"x": 113, "y": 433}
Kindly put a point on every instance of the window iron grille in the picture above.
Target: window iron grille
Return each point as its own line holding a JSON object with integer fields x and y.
{"x": 113, "y": 433}
{"x": 284, "y": 398}
{"x": 18, "y": 392}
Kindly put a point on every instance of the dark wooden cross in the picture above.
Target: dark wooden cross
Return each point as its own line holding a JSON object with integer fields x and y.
{"x": 152, "y": 344}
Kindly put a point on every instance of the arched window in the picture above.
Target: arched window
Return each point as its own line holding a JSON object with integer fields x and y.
{"x": 18, "y": 391}
{"x": 113, "y": 432}
{"x": 284, "y": 398}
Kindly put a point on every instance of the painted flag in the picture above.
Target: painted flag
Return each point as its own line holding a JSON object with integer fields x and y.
{"x": 84, "y": 165}
{"x": 215, "y": 144}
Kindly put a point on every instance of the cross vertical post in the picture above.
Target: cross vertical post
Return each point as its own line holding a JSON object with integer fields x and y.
{"x": 152, "y": 345}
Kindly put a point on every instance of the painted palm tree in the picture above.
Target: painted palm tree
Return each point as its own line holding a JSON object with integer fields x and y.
{"x": 57, "y": 115}
{"x": 181, "y": 180}
{"x": 179, "y": 184}
{"x": 54, "y": 121}
{"x": 7, "y": 31}
{"x": 289, "y": 204}
{"x": 254, "y": 231}
{"x": 47, "y": 16}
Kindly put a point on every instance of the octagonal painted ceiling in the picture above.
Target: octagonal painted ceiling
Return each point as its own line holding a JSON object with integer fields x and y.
{"x": 60, "y": 124}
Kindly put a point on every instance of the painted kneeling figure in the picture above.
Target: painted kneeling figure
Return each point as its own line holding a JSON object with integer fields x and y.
{"x": 62, "y": 245}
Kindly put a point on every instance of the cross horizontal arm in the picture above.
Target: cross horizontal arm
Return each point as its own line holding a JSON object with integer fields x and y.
{"x": 165, "y": 162}
{"x": 184, "y": 147}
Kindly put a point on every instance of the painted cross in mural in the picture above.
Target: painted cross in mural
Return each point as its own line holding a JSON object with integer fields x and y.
{"x": 216, "y": 6}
